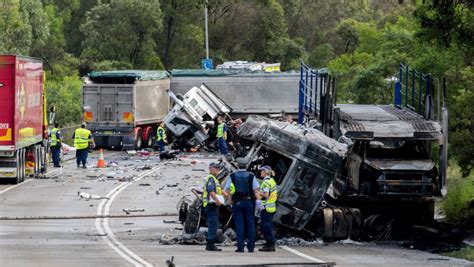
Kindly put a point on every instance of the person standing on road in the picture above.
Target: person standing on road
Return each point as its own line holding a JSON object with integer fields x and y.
{"x": 222, "y": 136}
{"x": 242, "y": 187}
{"x": 212, "y": 199}
{"x": 268, "y": 195}
{"x": 55, "y": 145}
{"x": 161, "y": 137}
{"x": 82, "y": 137}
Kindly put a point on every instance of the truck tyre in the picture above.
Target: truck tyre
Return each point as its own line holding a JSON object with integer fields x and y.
{"x": 23, "y": 165}
{"x": 149, "y": 139}
{"x": 139, "y": 140}
{"x": 37, "y": 159}
{"x": 18, "y": 168}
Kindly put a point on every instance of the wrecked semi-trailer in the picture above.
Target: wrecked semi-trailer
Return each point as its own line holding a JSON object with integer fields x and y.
{"x": 306, "y": 162}
{"x": 390, "y": 172}
{"x": 193, "y": 114}
{"x": 124, "y": 108}
{"x": 248, "y": 93}
{"x": 23, "y": 125}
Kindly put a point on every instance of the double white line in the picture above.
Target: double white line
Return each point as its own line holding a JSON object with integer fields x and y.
{"x": 102, "y": 224}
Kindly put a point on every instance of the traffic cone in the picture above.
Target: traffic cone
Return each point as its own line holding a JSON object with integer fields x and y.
{"x": 101, "y": 162}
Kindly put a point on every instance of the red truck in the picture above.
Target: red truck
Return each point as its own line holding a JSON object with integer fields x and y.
{"x": 23, "y": 125}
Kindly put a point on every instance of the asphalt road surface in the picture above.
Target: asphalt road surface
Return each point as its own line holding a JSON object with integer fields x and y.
{"x": 46, "y": 222}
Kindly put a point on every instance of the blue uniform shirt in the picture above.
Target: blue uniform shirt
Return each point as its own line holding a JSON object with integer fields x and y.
{"x": 211, "y": 186}
{"x": 229, "y": 181}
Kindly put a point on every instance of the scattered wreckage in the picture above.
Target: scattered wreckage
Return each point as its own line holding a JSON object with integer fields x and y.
{"x": 330, "y": 189}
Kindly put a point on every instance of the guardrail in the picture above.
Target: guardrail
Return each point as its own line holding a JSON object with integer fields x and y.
{"x": 416, "y": 90}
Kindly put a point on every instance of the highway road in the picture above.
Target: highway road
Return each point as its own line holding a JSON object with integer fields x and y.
{"x": 45, "y": 222}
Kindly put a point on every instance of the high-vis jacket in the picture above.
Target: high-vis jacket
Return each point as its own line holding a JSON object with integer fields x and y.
{"x": 81, "y": 138}
{"x": 221, "y": 131}
{"x": 205, "y": 193}
{"x": 161, "y": 134}
{"x": 54, "y": 137}
{"x": 270, "y": 202}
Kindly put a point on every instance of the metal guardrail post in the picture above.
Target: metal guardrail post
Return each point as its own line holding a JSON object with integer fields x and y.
{"x": 398, "y": 94}
{"x": 300, "y": 96}
{"x": 406, "y": 85}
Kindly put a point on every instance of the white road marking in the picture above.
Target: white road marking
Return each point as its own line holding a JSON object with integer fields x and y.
{"x": 14, "y": 186}
{"x": 104, "y": 229}
{"x": 301, "y": 254}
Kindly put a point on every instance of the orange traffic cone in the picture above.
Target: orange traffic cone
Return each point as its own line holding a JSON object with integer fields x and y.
{"x": 101, "y": 162}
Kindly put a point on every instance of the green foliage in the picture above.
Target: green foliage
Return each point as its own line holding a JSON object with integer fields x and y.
{"x": 124, "y": 31}
{"x": 460, "y": 196}
{"x": 361, "y": 41}
{"x": 65, "y": 95}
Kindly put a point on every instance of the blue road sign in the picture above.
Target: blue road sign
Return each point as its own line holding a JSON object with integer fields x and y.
{"x": 207, "y": 64}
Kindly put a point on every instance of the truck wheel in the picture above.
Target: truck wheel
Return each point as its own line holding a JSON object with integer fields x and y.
{"x": 139, "y": 140}
{"x": 37, "y": 159}
{"x": 23, "y": 164}
{"x": 44, "y": 159}
{"x": 149, "y": 139}
{"x": 18, "y": 168}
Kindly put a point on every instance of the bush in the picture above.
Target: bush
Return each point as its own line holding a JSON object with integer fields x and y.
{"x": 457, "y": 205}
{"x": 65, "y": 95}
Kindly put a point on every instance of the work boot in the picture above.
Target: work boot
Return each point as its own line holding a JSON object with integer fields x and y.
{"x": 239, "y": 250}
{"x": 212, "y": 248}
{"x": 269, "y": 247}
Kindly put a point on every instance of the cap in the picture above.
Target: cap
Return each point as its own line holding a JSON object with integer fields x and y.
{"x": 215, "y": 165}
{"x": 84, "y": 124}
{"x": 242, "y": 161}
{"x": 265, "y": 168}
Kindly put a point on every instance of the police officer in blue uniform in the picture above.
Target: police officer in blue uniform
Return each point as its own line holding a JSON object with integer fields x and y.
{"x": 242, "y": 187}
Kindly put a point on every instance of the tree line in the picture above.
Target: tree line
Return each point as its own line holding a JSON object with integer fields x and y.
{"x": 360, "y": 41}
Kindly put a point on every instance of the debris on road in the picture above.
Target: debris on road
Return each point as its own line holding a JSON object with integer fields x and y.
{"x": 128, "y": 211}
{"x": 90, "y": 196}
{"x": 144, "y": 184}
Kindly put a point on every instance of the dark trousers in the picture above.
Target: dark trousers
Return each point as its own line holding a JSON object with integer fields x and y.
{"x": 55, "y": 151}
{"x": 161, "y": 145}
{"x": 212, "y": 213}
{"x": 244, "y": 219}
{"x": 266, "y": 225}
{"x": 81, "y": 156}
{"x": 221, "y": 143}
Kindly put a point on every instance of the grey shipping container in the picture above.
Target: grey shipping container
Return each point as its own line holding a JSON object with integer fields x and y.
{"x": 246, "y": 93}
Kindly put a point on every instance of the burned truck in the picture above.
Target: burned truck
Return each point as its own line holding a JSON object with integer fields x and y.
{"x": 306, "y": 162}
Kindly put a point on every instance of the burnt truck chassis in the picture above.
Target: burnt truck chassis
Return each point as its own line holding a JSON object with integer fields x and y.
{"x": 305, "y": 162}
{"x": 311, "y": 169}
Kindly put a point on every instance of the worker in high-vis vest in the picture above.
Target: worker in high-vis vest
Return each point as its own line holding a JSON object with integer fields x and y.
{"x": 82, "y": 138}
{"x": 55, "y": 145}
{"x": 222, "y": 136}
{"x": 212, "y": 199}
{"x": 268, "y": 195}
{"x": 161, "y": 137}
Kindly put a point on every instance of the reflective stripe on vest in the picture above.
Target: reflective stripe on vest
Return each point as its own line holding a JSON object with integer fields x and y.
{"x": 81, "y": 138}
{"x": 270, "y": 202}
{"x": 161, "y": 134}
{"x": 54, "y": 138}
{"x": 205, "y": 194}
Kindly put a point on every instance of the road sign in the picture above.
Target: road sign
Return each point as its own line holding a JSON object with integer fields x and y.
{"x": 207, "y": 64}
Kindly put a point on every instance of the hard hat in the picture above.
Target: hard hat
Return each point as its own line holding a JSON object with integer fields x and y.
{"x": 216, "y": 165}
{"x": 242, "y": 162}
{"x": 265, "y": 168}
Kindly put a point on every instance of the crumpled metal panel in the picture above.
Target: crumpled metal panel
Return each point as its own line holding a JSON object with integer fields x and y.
{"x": 318, "y": 160}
